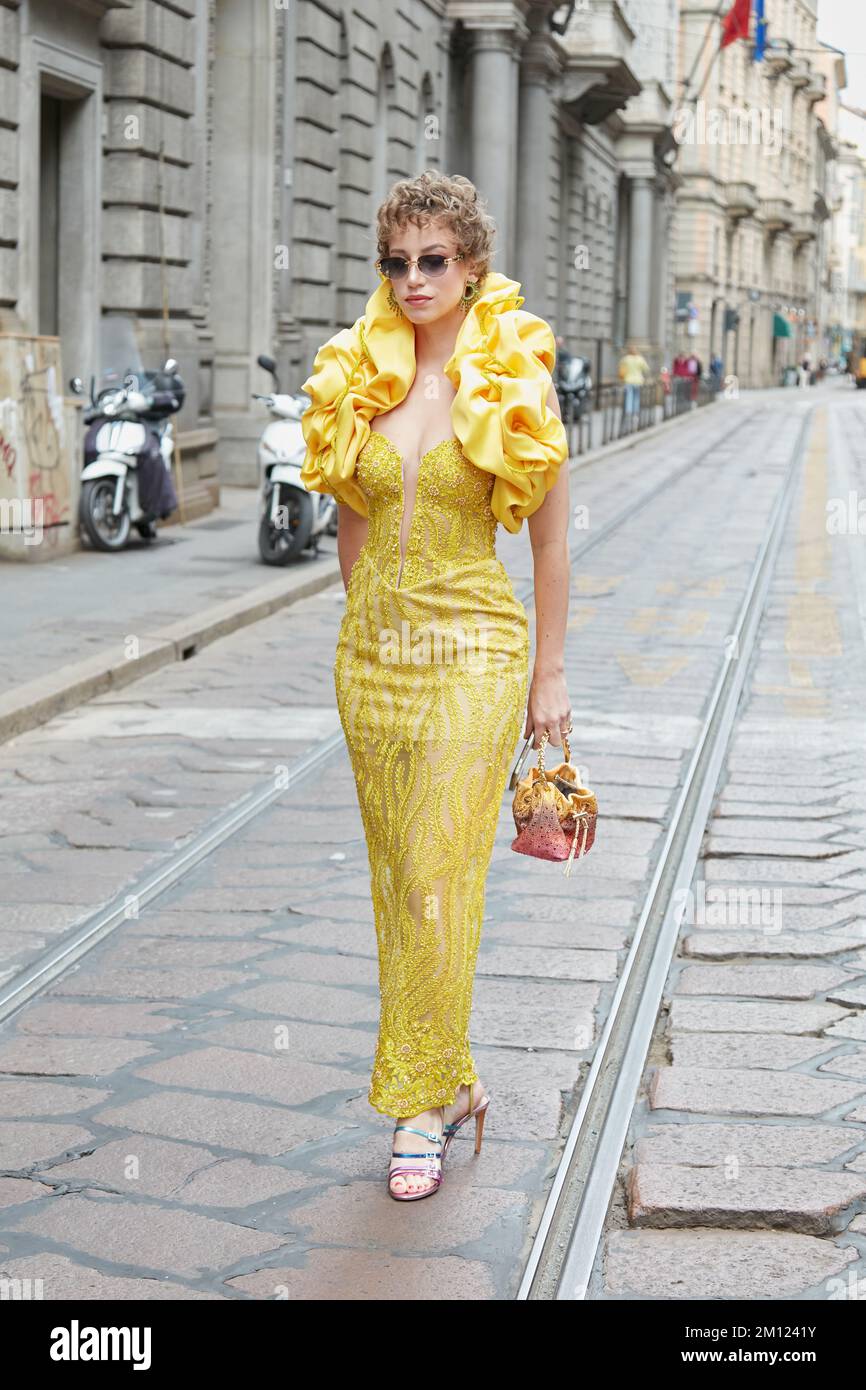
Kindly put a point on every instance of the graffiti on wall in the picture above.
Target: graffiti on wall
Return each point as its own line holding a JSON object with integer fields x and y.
{"x": 34, "y": 471}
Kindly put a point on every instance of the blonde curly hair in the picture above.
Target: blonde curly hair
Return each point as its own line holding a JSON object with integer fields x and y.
{"x": 453, "y": 198}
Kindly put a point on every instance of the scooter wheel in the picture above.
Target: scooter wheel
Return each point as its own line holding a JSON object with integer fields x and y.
{"x": 280, "y": 545}
{"x": 104, "y": 530}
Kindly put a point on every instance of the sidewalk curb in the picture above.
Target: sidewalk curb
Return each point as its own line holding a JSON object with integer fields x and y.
{"x": 37, "y": 701}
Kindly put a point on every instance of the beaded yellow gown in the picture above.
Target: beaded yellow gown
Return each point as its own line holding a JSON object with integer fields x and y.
{"x": 431, "y": 667}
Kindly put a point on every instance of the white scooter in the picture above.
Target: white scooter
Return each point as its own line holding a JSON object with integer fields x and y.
{"x": 291, "y": 517}
{"x": 110, "y": 495}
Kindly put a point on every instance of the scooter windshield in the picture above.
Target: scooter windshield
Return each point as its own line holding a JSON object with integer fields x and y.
{"x": 119, "y": 352}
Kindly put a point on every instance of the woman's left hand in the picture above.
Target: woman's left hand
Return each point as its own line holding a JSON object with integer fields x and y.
{"x": 548, "y": 708}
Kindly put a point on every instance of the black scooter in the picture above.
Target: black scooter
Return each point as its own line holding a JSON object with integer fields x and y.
{"x": 573, "y": 382}
{"x": 126, "y": 480}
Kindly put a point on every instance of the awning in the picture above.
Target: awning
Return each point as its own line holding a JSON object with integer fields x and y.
{"x": 781, "y": 327}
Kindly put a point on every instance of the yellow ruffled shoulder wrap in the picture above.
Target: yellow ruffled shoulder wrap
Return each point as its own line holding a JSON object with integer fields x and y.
{"x": 500, "y": 369}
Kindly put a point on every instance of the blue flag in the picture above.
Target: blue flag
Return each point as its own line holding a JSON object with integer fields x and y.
{"x": 760, "y": 31}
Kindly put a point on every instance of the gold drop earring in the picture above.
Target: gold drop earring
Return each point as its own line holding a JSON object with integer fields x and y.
{"x": 469, "y": 295}
{"x": 391, "y": 300}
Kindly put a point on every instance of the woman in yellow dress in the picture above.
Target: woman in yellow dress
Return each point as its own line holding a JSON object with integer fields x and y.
{"x": 431, "y": 666}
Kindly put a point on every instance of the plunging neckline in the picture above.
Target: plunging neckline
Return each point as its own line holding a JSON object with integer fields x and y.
{"x": 401, "y": 457}
{"x": 403, "y": 553}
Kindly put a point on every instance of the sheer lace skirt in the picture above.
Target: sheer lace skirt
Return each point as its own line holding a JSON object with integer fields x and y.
{"x": 431, "y": 684}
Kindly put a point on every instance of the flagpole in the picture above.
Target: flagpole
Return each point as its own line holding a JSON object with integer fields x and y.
{"x": 718, "y": 50}
{"x": 710, "y": 66}
{"x": 688, "y": 82}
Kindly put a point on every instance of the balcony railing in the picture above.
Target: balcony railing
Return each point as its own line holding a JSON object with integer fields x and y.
{"x": 777, "y": 62}
{"x": 741, "y": 199}
{"x": 776, "y": 213}
{"x": 816, "y": 87}
{"x": 803, "y": 227}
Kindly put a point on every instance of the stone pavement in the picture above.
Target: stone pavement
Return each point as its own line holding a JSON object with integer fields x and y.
{"x": 184, "y": 1113}
{"x": 65, "y": 610}
{"x": 108, "y": 791}
{"x": 95, "y": 622}
{"x": 115, "y": 618}
{"x": 746, "y": 1175}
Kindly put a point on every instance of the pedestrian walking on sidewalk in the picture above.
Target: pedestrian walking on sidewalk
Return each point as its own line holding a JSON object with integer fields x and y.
{"x": 694, "y": 370}
{"x": 434, "y": 420}
{"x": 633, "y": 370}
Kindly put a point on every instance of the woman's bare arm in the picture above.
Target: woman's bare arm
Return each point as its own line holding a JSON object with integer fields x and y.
{"x": 352, "y": 529}
{"x": 548, "y": 705}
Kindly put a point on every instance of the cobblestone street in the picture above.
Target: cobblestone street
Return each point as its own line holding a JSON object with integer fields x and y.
{"x": 183, "y": 1112}
{"x": 747, "y": 1175}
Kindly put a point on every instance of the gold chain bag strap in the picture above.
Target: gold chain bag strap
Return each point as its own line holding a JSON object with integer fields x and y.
{"x": 551, "y": 809}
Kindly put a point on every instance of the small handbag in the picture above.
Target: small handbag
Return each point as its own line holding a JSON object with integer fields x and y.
{"x": 551, "y": 809}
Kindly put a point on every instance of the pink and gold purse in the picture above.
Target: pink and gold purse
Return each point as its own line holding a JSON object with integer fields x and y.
{"x": 552, "y": 811}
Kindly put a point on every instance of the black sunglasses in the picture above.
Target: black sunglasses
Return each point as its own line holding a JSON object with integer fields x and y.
{"x": 395, "y": 267}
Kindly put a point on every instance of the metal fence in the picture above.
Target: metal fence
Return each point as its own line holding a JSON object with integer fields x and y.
{"x": 616, "y": 412}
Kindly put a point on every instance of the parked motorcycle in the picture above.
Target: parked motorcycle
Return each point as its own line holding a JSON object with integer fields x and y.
{"x": 291, "y": 517}
{"x": 574, "y": 387}
{"x": 126, "y": 480}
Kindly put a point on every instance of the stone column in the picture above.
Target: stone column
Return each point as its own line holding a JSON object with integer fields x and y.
{"x": 200, "y": 192}
{"x": 640, "y": 260}
{"x": 153, "y": 57}
{"x": 536, "y": 213}
{"x": 245, "y": 154}
{"x": 493, "y": 143}
{"x": 663, "y": 308}
{"x": 289, "y": 332}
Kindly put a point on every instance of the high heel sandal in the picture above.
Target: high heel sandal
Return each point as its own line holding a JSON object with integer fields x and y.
{"x": 479, "y": 1112}
{"x": 426, "y": 1168}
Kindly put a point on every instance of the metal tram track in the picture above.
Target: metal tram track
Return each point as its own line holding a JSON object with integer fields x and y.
{"x": 566, "y": 1243}
{"x": 61, "y": 956}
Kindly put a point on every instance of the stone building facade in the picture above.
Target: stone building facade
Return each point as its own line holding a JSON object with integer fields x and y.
{"x": 846, "y": 278}
{"x": 103, "y": 168}
{"x": 200, "y": 177}
{"x": 559, "y": 114}
{"x": 755, "y": 158}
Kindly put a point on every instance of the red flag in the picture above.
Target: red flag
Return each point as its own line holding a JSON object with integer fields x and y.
{"x": 735, "y": 24}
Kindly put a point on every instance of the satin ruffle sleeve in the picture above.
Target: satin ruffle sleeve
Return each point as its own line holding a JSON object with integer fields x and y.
{"x": 331, "y": 427}
{"x": 501, "y": 415}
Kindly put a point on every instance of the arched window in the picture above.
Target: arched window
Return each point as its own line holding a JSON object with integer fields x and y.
{"x": 380, "y": 175}
{"x": 349, "y": 236}
{"x": 457, "y": 153}
{"x": 428, "y": 144}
